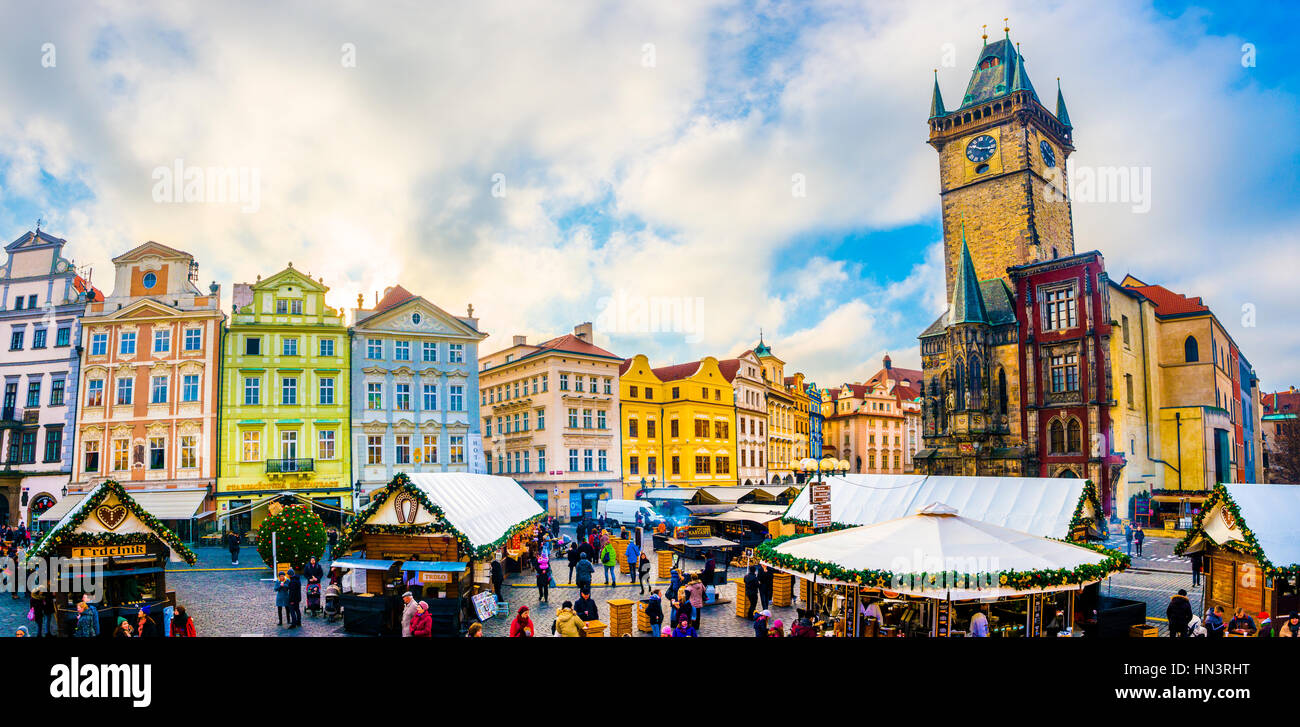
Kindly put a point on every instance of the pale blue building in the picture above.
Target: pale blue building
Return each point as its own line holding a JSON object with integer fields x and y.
{"x": 415, "y": 402}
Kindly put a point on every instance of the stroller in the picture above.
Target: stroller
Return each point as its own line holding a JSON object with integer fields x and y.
{"x": 333, "y": 611}
{"x": 313, "y": 597}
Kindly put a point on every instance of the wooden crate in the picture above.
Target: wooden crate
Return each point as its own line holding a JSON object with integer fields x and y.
{"x": 642, "y": 620}
{"x": 805, "y": 591}
{"x": 620, "y": 549}
{"x": 665, "y": 558}
{"x": 594, "y": 628}
{"x": 782, "y": 589}
{"x": 742, "y": 603}
{"x": 620, "y": 617}
{"x": 1143, "y": 630}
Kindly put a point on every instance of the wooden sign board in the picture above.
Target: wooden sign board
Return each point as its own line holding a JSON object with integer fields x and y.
{"x": 109, "y": 551}
{"x": 821, "y": 516}
{"x": 820, "y": 494}
{"x": 427, "y": 577}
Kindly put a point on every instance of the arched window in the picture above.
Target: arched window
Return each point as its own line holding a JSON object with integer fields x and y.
{"x": 1002, "y": 391}
{"x": 1191, "y": 351}
{"x": 1056, "y": 438}
{"x": 1074, "y": 436}
{"x": 1068, "y": 474}
{"x": 959, "y": 382}
{"x": 976, "y": 384}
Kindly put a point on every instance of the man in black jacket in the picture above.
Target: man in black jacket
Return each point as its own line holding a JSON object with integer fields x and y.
{"x": 585, "y": 607}
{"x": 232, "y": 544}
{"x": 751, "y": 591}
{"x": 765, "y": 574}
{"x": 1179, "y": 614}
{"x": 573, "y": 560}
{"x": 294, "y": 586}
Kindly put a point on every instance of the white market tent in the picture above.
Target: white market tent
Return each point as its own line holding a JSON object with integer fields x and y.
{"x": 1267, "y": 510}
{"x": 1042, "y": 506}
{"x": 937, "y": 540}
{"x": 483, "y": 508}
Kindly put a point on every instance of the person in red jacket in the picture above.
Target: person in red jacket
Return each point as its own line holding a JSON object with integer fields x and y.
{"x": 182, "y": 624}
{"x": 422, "y": 621}
{"x": 521, "y": 626}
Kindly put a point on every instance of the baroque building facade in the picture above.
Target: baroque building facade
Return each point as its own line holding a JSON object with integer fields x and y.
{"x": 150, "y": 372}
{"x": 745, "y": 373}
{"x": 416, "y": 401}
{"x": 42, "y": 299}
{"x": 285, "y": 402}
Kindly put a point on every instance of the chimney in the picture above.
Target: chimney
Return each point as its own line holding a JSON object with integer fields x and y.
{"x": 583, "y": 331}
{"x": 521, "y": 341}
{"x": 888, "y": 363}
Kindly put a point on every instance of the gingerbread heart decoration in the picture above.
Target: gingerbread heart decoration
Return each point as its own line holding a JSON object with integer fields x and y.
{"x": 407, "y": 507}
{"x": 111, "y": 515}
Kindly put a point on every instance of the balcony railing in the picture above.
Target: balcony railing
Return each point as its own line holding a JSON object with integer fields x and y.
{"x": 290, "y": 466}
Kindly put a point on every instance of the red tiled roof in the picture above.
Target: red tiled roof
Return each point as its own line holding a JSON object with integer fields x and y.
{"x": 623, "y": 367}
{"x": 676, "y": 371}
{"x": 1282, "y": 402}
{"x": 572, "y": 344}
{"x": 730, "y": 367}
{"x": 80, "y": 285}
{"x": 393, "y": 297}
{"x": 1169, "y": 303}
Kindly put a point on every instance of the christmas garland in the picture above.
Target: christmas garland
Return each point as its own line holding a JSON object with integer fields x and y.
{"x": 1019, "y": 580}
{"x": 444, "y": 526}
{"x": 59, "y": 535}
{"x": 1250, "y": 546}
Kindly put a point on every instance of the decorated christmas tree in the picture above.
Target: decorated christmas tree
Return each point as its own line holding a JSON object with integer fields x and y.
{"x": 299, "y": 535}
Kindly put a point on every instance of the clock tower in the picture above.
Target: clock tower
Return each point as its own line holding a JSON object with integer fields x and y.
{"x": 1002, "y": 169}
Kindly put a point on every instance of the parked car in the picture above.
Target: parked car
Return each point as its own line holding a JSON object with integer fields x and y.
{"x": 625, "y": 511}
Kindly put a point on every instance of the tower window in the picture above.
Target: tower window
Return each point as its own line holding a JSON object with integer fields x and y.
{"x": 981, "y": 169}
{"x": 990, "y": 62}
{"x": 1191, "y": 351}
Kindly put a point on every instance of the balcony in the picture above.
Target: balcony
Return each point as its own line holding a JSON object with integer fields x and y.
{"x": 291, "y": 466}
{"x": 12, "y": 417}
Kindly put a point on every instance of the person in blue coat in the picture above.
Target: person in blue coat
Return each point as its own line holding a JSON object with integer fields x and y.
{"x": 281, "y": 598}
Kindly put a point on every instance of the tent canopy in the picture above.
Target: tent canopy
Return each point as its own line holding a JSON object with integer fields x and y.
{"x": 1042, "y": 506}
{"x": 162, "y": 504}
{"x": 684, "y": 494}
{"x": 738, "y": 515}
{"x": 937, "y": 540}
{"x": 1265, "y": 511}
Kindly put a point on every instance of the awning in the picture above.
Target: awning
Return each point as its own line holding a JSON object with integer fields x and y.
{"x": 670, "y": 493}
{"x": 742, "y": 516}
{"x": 435, "y": 566}
{"x": 364, "y": 563}
{"x": 162, "y": 504}
{"x": 702, "y": 542}
{"x": 926, "y": 453}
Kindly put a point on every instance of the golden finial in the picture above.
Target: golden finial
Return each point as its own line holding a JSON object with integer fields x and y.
{"x": 1006, "y": 28}
{"x": 985, "y": 36}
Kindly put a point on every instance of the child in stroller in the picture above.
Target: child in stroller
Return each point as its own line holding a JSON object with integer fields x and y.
{"x": 313, "y": 597}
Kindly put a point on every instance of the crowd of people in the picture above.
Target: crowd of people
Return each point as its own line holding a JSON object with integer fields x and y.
{"x": 1184, "y": 623}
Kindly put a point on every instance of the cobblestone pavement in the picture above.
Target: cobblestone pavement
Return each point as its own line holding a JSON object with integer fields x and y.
{"x": 1157, "y": 553}
{"x": 226, "y": 601}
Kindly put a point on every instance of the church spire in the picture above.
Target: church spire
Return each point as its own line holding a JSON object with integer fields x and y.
{"x": 936, "y": 103}
{"x": 1019, "y": 78}
{"x": 967, "y": 301}
{"x": 1062, "y": 115}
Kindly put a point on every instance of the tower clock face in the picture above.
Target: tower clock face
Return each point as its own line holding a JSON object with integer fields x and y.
{"x": 981, "y": 148}
{"x": 1049, "y": 156}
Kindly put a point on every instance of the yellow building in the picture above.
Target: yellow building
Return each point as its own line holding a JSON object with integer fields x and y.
{"x": 678, "y": 425}
{"x": 802, "y": 406}
{"x": 781, "y": 418}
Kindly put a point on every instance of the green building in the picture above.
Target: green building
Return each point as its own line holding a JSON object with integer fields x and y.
{"x": 284, "y": 402}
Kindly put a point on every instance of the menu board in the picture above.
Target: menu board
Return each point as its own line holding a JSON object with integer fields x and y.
{"x": 1036, "y": 622}
{"x": 941, "y": 628}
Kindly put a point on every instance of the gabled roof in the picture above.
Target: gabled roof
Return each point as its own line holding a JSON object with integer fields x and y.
{"x": 569, "y": 343}
{"x": 398, "y": 297}
{"x": 34, "y": 239}
{"x": 1258, "y": 519}
{"x": 290, "y": 271}
{"x": 998, "y": 79}
{"x": 69, "y": 528}
{"x": 729, "y": 368}
{"x": 1282, "y": 402}
{"x": 677, "y": 371}
{"x": 393, "y": 297}
{"x": 1167, "y": 302}
{"x": 151, "y": 248}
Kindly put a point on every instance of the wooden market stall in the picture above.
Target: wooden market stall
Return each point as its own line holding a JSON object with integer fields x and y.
{"x": 1248, "y": 547}
{"x": 434, "y": 534}
{"x": 955, "y": 567}
{"x": 108, "y": 528}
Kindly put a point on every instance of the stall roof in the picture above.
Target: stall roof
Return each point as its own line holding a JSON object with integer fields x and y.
{"x": 778, "y": 490}
{"x": 1265, "y": 511}
{"x": 726, "y": 494}
{"x": 743, "y": 516}
{"x": 949, "y": 542}
{"x": 72, "y": 525}
{"x": 670, "y": 493}
{"x": 364, "y": 563}
{"x": 162, "y": 504}
{"x": 1042, "y": 506}
{"x": 701, "y": 542}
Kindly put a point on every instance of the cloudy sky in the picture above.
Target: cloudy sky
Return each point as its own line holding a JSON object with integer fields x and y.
{"x": 729, "y": 165}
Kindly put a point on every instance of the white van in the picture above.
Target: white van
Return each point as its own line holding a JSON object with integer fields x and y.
{"x": 624, "y": 511}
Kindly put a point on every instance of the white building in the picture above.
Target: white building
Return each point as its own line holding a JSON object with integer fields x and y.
{"x": 41, "y": 302}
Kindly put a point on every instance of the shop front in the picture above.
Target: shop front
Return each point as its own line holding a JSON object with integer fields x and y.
{"x": 114, "y": 550}
{"x": 583, "y": 498}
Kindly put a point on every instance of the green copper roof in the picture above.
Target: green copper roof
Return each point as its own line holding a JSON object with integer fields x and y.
{"x": 1062, "y": 115}
{"x": 936, "y": 104}
{"x": 967, "y": 301}
{"x": 762, "y": 349}
{"x": 1000, "y": 75}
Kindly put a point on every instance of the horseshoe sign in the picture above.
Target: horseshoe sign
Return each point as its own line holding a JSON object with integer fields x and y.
{"x": 406, "y": 507}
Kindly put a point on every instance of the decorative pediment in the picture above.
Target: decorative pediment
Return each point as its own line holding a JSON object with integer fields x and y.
{"x": 157, "y": 429}
{"x": 159, "y": 368}
{"x": 376, "y": 371}
{"x": 125, "y": 369}
{"x": 144, "y": 308}
{"x": 418, "y": 315}
{"x": 122, "y": 431}
{"x": 189, "y": 428}
{"x": 96, "y": 372}
{"x": 191, "y": 366}
{"x": 377, "y": 427}
{"x": 291, "y": 275}
{"x": 91, "y": 432}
